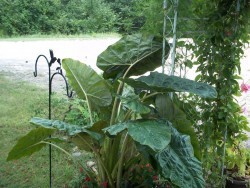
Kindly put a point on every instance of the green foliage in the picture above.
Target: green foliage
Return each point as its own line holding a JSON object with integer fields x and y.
{"x": 152, "y": 133}
{"x": 152, "y": 14}
{"x": 29, "y": 17}
{"x": 218, "y": 52}
{"x": 169, "y": 109}
{"x": 87, "y": 83}
{"x": 129, "y": 19}
{"x": 98, "y": 16}
{"x": 163, "y": 83}
{"x": 62, "y": 126}
{"x": 131, "y": 133}
{"x": 133, "y": 103}
{"x": 20, "y": 101}
{"x": 179, "y": 164}
{"x": 30, "y": 143}
{"x": 71, "y": 130}
{"x": 22, "y": 17}
{"x": 132, "y": 55}
{"x": 78, "y": 113}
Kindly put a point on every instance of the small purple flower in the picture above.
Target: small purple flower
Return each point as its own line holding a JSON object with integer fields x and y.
{"x": 244, "y": 110}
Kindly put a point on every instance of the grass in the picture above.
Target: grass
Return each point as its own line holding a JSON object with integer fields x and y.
{"x": 36, "y": 37}
{"x": 19, "y": 102}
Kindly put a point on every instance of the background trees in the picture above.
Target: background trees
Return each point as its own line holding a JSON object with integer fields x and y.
{"x": 21, "y": 17}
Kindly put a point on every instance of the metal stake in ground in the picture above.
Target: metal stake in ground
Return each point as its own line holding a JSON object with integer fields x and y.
{"x": 51, "y": 76}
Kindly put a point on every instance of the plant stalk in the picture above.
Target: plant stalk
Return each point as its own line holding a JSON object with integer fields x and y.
{"x": 67, "y": 153}
{"x": 119, "y": 172}
{"x": 100, "y": 161}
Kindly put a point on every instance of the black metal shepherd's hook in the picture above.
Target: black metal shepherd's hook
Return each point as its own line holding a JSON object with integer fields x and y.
{"x": 53, "y": 59}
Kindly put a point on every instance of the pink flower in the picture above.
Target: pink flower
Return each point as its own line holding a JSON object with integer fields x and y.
{"x": 244, "y": 87}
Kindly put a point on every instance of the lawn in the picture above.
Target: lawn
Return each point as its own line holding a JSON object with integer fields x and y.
{"x": 19, "y": 102}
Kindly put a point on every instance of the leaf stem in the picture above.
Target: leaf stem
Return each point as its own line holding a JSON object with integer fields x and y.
{"x": 119, "y": 172}
{"x": 99, "y": 160}
{"x": 150, "y": 95}
{"x": 119, "y": 92}
{"x": 89, "y": 109}
{"x": 67, "y": 153}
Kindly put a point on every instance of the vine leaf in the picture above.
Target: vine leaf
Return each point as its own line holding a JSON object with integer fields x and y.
{"x": 164, "y": 83}
{"x": 31, "y": 143}
{"x": 152, "y": 133}
{"x": 144, "y": 52}
{"x": 87, "y": 83}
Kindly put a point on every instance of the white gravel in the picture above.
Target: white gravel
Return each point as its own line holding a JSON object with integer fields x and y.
{"x": 19, "y": 57}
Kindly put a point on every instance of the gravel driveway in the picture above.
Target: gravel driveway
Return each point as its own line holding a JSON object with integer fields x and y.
{"x": 17, "y": 59}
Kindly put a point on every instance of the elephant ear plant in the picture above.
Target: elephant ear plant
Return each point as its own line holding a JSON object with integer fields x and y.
{"x": 138, "y": 123}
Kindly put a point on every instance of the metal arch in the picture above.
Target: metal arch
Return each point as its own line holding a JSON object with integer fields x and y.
{"x": 168, "y": 6}
{"x": 53, "y": 59}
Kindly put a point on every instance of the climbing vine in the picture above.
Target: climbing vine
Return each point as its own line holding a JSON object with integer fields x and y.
{"x": 218, "y": 52}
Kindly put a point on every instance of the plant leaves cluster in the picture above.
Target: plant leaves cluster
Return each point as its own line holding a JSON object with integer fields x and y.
{"x": 144, "y": 125}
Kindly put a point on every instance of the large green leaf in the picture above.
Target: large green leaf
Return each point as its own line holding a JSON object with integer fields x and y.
{"x": 85, "y": 141}
{"x": 152, "y": 133}
{"x": 87, "y": 83}
{"x": 167, "y": 109}
{"x": 83, "y": 137}
{"x": 30, "y": 143}
{"x": 72, "y": 130}
{"x": 142, "y": 51}
{"x": 178, "y": 163}
{"x": 134, "y": 103}
{"x": 164, "y": 83}
{"x": 82, "y": 140}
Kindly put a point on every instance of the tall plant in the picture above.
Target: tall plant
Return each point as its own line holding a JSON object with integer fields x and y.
{"x": 139, "y": 122}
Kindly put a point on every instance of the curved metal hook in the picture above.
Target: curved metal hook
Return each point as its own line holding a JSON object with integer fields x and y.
{"x": 65, "y": 81}
{"x": 52, "y": 60}
{"x": 35, "y": 72}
